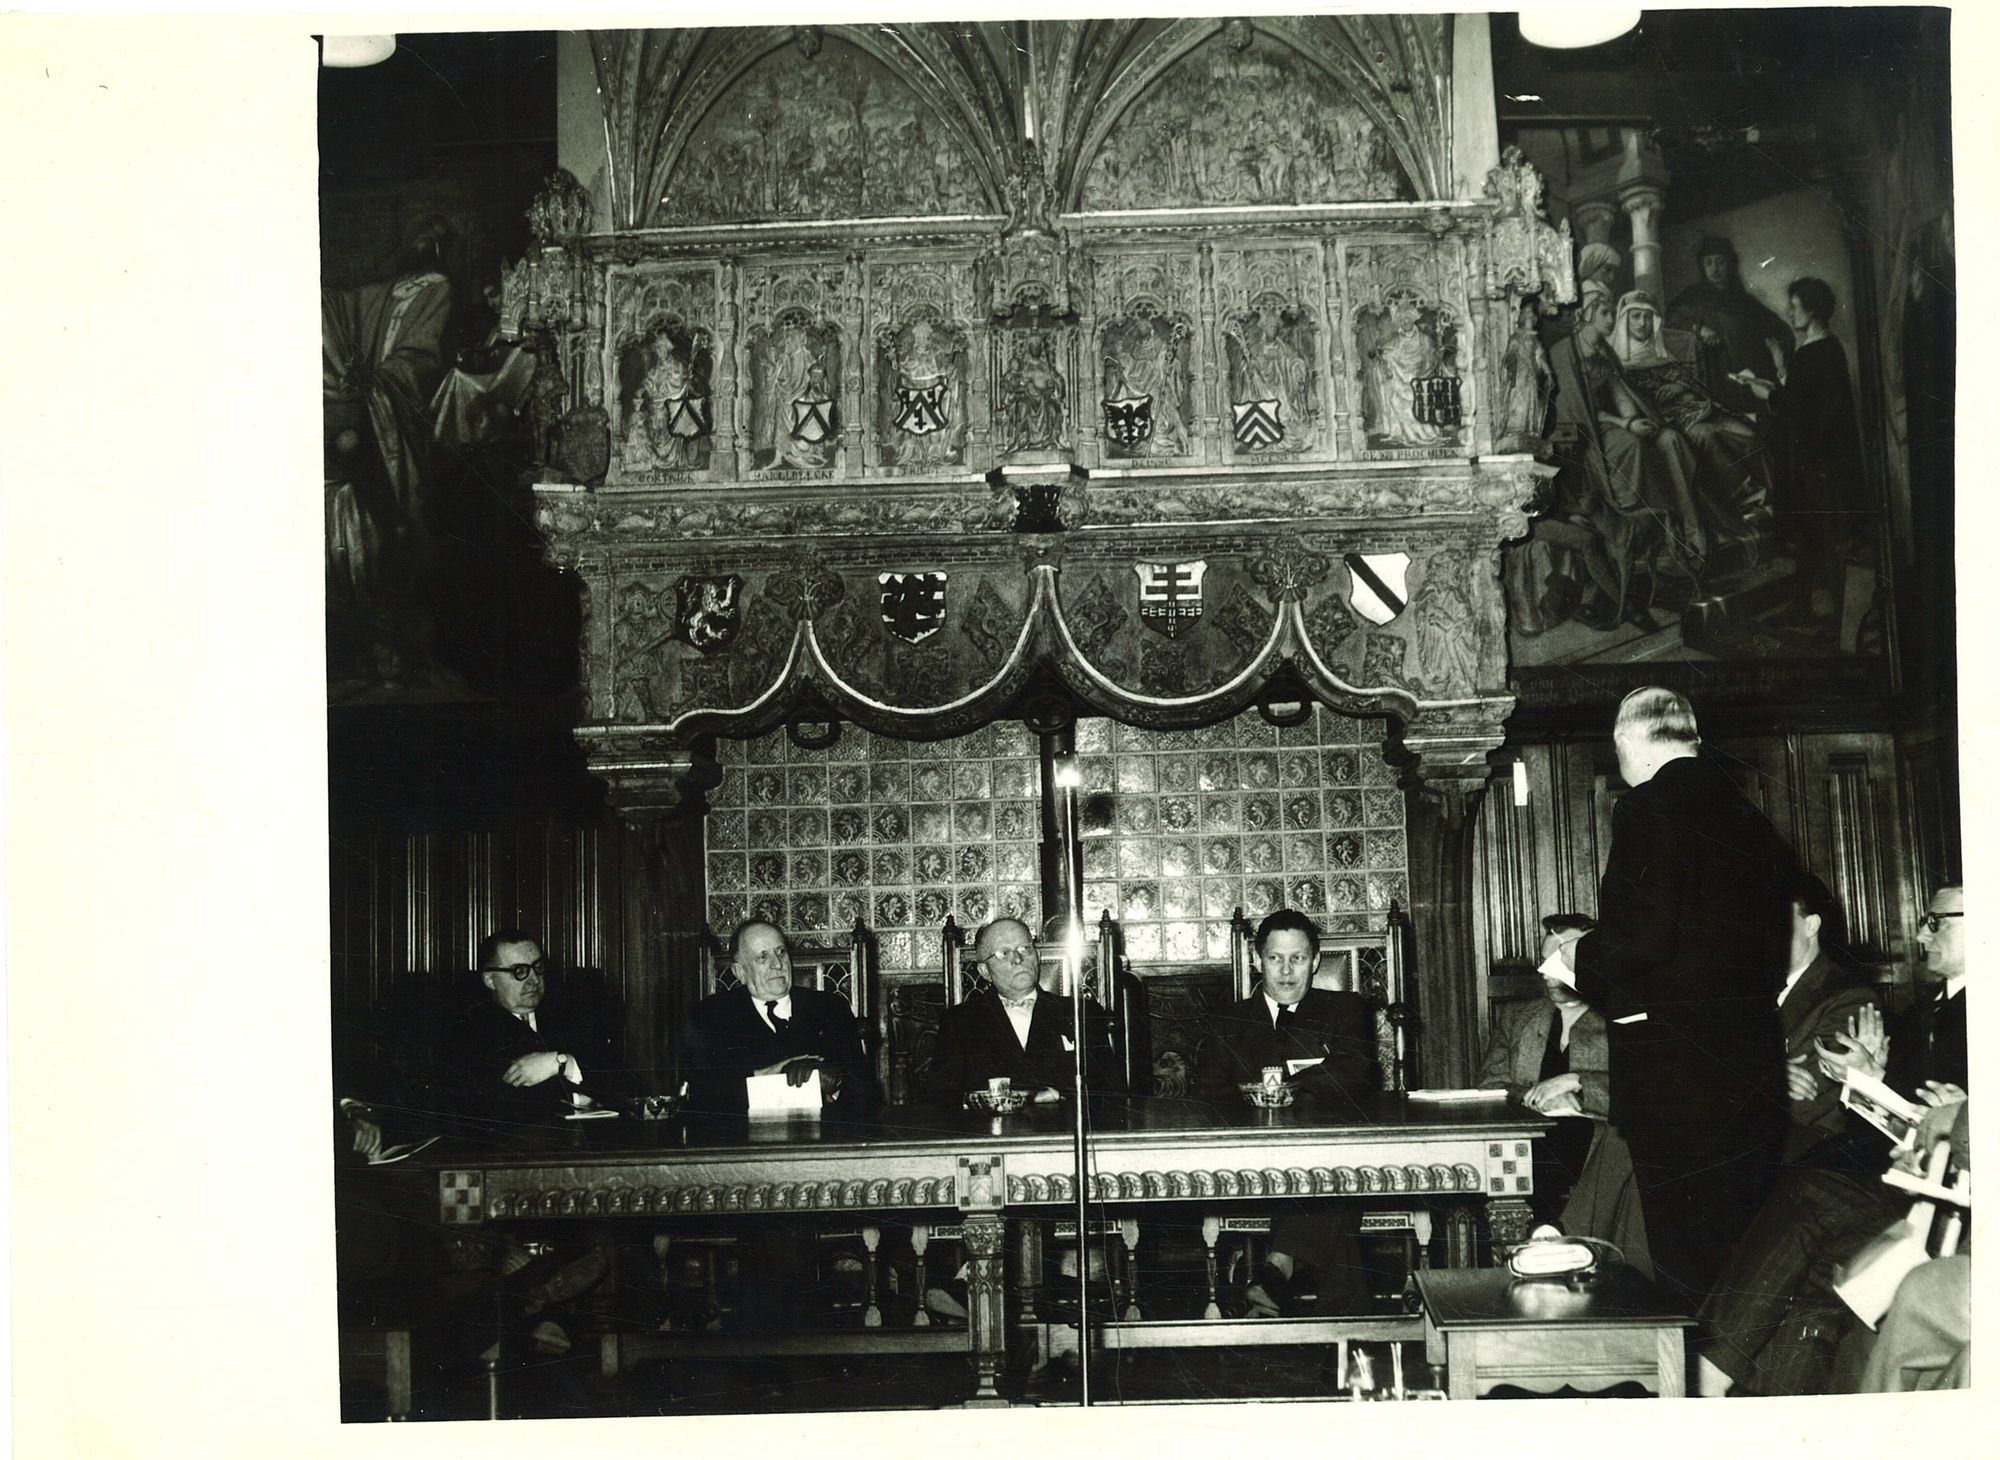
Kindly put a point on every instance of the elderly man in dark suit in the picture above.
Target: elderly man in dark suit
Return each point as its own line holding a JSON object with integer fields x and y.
{"x": 1013, "y": 1030}
{"x": 1325, "y": 1041}
{"x": 1690, "y": 951}
{"x": 768, "y": 1027}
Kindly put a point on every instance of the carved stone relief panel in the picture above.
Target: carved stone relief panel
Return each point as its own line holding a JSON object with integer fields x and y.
{"x": 1270, "y": 313}
{"x": 660, "y": 350}
{"x": 1252, "y": 125}
{"x": 832, "y": 135}
{"x": 1033, "y": 370}
{"x": 1144, "y": 306}
{"x": 922, "y": 393}
{"x": 795, "y": 369}
{"x": 1408, "y": 338}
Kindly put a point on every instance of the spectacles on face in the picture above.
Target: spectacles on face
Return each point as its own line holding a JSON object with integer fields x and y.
{"x": 1018, "y": 953}
{"x": 522, "y": 972}
{"x": 1930, "y": 922}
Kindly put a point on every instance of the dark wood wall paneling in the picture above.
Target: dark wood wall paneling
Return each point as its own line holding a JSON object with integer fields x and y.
{"x": 1875, "y": 818}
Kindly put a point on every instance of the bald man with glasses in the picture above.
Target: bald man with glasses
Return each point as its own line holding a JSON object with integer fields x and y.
{"x": 1014, "y": 1029}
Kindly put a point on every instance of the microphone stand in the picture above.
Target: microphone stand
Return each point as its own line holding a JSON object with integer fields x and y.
{"x": 1068, "y": 776}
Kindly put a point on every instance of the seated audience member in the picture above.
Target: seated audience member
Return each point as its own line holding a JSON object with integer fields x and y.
{"x": 768, "y": 1027}
{"x": 1552, "y": 1056}
{"x": 1014, "y": 1030}
{"x": 1821, "y": 998}
{"x": 1825, "y": 1208}
{"x": 1325, "y": 1039}
{"x": 1925, "y": 1339}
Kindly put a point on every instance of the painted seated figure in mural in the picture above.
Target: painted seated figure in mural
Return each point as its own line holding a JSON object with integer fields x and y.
{"x": 1626, "y": 506}
{"x": 1734, "y": 481}
{"x": 1732, "y": 329}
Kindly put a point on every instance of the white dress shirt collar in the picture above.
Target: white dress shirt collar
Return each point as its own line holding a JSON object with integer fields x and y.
{"x": 783, "y": 1011}
{"x": 1274, "y": 1006}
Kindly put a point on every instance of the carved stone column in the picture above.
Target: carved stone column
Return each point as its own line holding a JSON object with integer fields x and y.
{"x": 1644, "y": 205}
{"x": 1593, "y": 220}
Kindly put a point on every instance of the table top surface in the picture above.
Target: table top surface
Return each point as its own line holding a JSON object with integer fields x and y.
{"x": 1615, "y": 1297}
{"x": 1113, "y": 1121}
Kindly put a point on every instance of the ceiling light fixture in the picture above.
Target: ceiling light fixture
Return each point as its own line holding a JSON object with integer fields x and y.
{"x": 348, "y": 51}
{"x": 1572, "y": 27}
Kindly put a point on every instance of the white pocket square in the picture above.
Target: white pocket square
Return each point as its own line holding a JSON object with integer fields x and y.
{"x": 1069, "y": 1045}
{"x": 1631, "y": 1019}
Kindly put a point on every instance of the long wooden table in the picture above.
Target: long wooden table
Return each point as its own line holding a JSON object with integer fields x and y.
{"x": 978, "y": 1171}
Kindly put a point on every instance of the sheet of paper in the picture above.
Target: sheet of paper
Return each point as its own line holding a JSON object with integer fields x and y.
{"x": 774, "y": 1095}
{"x": 1554, "y": 967}
{"x": 1292, "y": 1067}
{"x": 1455, "y": 1095}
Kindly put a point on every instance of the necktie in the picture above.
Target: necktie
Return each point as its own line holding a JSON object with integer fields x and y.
{"x": 771, "y": 1013}
{"x": 1555, "y": 1059}
{"x": 1288, "y": 1015}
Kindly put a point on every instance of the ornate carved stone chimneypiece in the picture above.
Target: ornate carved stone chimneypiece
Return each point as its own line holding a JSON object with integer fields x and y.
{"x": 1151, "y": 369}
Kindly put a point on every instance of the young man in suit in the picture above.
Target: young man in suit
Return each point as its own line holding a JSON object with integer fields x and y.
{"x": 1821, "y": 999}
{"x": 1013, "y": 1030}
{"x": 768, "y": 1027}
{"x": 1329, "y": 1035}
{"x": 1692, "y": 942}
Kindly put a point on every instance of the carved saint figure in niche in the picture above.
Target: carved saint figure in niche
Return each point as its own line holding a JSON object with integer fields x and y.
{"x": 665, "y": 411}
{"x": 1524, "y": 364}
{"x": 923, "y": 400}
{"x": 1270, "y": 372}
{"x": 794, "y": 419}
{"x": 1033, "y": 395}
{"x": 1146, "y": 361}
{"x": 1402, "y": 343}
{"x": 1447, "y": 647}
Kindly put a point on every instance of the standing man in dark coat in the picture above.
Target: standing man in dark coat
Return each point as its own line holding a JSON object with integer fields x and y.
{"x": 767, "y": 1027}
{"x": 1329, "y": 1034}
{"x": 1686, "y": 962}
{"x": 1014, "y": 1030}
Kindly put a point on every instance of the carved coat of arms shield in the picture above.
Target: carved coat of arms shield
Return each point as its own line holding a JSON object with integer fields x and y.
{"x": 1378, "y": 584}
{"x": 812, "y": 419}
{"x": 921, "y": 405}
{"x": 1129, "y": 420}
{"x": 708, "y": 610}
{"x": 689, "y": 417}
{"x": 1258, "y": 423}
{"x": 912, "y": 604}
{"x": 1170, "y": 594}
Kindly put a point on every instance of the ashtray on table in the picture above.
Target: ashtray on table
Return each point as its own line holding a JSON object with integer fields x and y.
{"x": 1268, "y": 1097}
{"x": 997, "y": 1102}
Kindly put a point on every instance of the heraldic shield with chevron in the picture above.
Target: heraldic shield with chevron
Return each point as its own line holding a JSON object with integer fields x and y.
{"x": 920, "y": 407}
{"x": 688, "y": 417}
{"x": 912, "y": 604}
{"x": 1378, "y": 584}
{"x": 1129, "y": 421}
{"x": 1258, "y": 423}
{"x": 1170, "y": 594}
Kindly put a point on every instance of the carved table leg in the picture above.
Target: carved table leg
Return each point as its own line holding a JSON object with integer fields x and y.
{"x": 1128, "y": 1232}
{"x": 983, "y": 1241}
{"x": 1508, "y": 1219}
{"x": 1029, "y": 1258}
{"x": 871, "y": 1240}
{"x": 1211, "y": 1228}
{"x": 920, "y": 1242}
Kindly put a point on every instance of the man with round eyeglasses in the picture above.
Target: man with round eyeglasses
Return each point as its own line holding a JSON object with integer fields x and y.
{"x": 1013, "y": 1030}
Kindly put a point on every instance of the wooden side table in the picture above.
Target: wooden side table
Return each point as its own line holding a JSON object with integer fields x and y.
{"x": 1488, "y": 1328}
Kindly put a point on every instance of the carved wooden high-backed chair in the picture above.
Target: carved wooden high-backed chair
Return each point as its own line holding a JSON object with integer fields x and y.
{"x": 1371, "y": 964}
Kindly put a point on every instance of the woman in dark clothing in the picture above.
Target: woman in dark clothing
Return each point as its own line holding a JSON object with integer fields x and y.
{"x": 1823, "y": 507}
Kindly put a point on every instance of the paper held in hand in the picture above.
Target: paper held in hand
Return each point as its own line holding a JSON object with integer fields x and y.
{"x": 773, "y": 1096}
{"x": 1880, "y": 1106}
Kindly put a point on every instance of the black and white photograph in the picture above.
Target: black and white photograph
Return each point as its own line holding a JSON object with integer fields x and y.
{"x": 1033, "y": 714}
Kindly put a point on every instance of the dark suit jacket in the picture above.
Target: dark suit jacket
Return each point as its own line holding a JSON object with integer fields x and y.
{"x": 1694, "y": 932}
{"x": 1818, "y": 1007}
{"x": 1336, "y": 1025}
{"x": 976, "y": 1043}
{"x": 475, "y": 1040}
{"x": 727, "y": 1040}
{"x": 1521, "y": 1037}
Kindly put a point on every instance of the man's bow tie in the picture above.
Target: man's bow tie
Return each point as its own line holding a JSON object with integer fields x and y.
{"x": 1026, "y": 1001}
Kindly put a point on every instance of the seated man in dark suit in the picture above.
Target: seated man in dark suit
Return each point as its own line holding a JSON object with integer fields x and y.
{"x": 768, "y": 1027}
{"x": 1325, "y": 1041}
{"x": 1822, "y": 996}
{"x": 1014, "y": 1030}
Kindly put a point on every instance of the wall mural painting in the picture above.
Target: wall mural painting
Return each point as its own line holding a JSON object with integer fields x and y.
{"x": 663, "y": 359}
{"x": 1712, "y": 502}
{"x": 834, "y": 135}
{"x": 1414, "y": 399}
{"x": 1259, "y": 125}
{"x": 1033, "y": 395}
